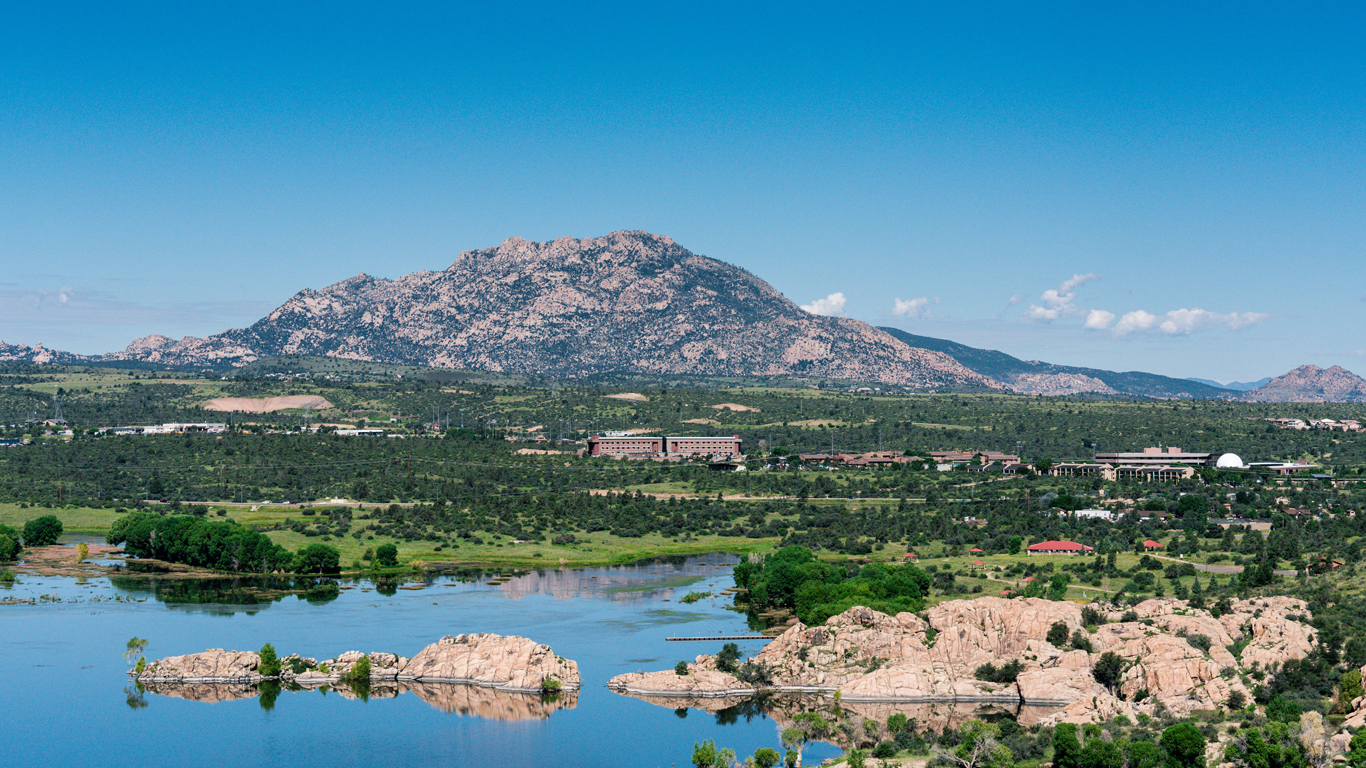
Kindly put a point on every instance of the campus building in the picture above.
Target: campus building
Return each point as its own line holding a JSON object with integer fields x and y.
{"x": 1152, "y": 457}
{"x": 641, "y": 446}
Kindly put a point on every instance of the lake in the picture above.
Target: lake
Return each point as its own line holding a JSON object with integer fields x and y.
{"x": 71, "y": 702}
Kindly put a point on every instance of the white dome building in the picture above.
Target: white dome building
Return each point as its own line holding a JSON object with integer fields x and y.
{"x": 1229, "y": 461}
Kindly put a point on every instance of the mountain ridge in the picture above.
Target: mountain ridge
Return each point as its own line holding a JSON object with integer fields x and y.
{"x": 568, "y": 308}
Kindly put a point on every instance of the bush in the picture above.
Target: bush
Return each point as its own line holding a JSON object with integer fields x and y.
{"x": 1080, "y": 641}
{"x": 1006, "y": 673}
{"x": 1129, "y": 616}
{"x": 885, "y": 750}
{"x": 42, "y": 531}
{"x": 1200, "y": 642}
{"x": 270, "y": 664}
{"x": 727, "y": 660}
{"x": 9, "y": 548}
{"x": 1091, "y": 617}
{"x": 386, "y": 555}
{"x": 359, "y": 671}
{"x": 1057, "y": 634}
{"x": 681, "y": 668}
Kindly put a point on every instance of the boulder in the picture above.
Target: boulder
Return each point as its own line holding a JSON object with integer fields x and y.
{"x": 509, "y": 663}
{"x": 212, "y": 666}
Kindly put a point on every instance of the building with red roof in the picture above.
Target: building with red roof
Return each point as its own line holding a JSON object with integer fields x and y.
{"x": 1059, "y": 548}
{"x": 1150, "y": 544}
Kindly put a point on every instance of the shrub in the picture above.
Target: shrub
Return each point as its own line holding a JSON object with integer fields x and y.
{"x": 42, "y": 531}
{"x": 270, "y": 664}
{"x": 1057, "y": 634}
{"x": 359, "y": 671}
{"x": 1129, "y": 616}
{"x": 885, "y": 750}
{"x": 550, "y": 685}
{"x": 386, "y": 555}
{"x": 1091, "y": 617}
{"x": 1236, "y": 701}
{"x": 681, "y": 668}
{"x": 1080, "y": 641}
{"x": 1006, "y": 673}
{"x": 727, "y": 660}
{"x": 1198, "y": 641}
{"x": 9, "y": 548}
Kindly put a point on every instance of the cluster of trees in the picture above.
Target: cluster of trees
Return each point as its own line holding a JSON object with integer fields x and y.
{"x": 792, "y": 579}
{"x": 38, "y": 532}
{"x": 220, "y": 545}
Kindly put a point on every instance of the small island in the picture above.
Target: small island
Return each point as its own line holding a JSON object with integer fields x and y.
{"x": 507, "y": 663}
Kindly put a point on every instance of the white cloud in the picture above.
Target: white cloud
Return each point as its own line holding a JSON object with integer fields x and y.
{"x": 1177, "y": 321}
{"x": 1059, "y": 301}
{"x": 1138, "y": 320}
{"x": 914, "y": 308}
{"x": 830, "y": 305}
{"x": 1099, "y": 319}
{"x": 1016, "y": 299}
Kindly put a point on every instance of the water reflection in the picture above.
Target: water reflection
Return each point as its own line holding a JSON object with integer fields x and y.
{"x": 644, "y": 580}
{"x": 845, "y": 721}
{"x": 450, "y": 698}
{"x": 254, "y": 591}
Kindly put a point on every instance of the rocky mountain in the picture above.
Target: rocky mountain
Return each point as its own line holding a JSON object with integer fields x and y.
{"x": 1311, "y": 384}
{"x": 1035, "y": 378}
{"x": 23, "y": 353}
{"x": 627, "y": 302}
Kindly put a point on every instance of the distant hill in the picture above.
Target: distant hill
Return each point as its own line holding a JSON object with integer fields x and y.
{"x": 627, "y": 302}
{"x": 1236, "y": 386}
{"x": 1311, "y": 384}
{"x": 1036, "y": 378}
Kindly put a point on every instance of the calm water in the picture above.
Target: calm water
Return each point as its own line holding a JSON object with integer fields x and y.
{"x": 66, "y": 701}
{"x": 70, "y": 702}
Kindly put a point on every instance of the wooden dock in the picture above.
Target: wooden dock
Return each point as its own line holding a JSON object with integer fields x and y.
{"x": 719, "y": 637}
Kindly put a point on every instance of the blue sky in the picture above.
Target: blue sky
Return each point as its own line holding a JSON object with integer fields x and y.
{"x": 1188, "y": 180}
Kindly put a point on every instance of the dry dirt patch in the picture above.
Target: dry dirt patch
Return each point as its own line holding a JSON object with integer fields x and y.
{"x": 635, "y": 396}
{"x": 266, "y": 404}
{"x": 701, "y": 421}
{"x": 734, "y": 407}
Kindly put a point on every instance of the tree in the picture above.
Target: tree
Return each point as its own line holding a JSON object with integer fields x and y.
{"x": 1143, "y": 754}
{"x": 979, "y": 748}
{"x": 1108, "y": 669}
{"x": 9, "y": 547}
{"x": 1057, "y": 634}
{"x": 82, "y": 552}
{"x": 270, "y": 663}
{"x": 42, "y": 531}
{"x": 1184, "y": 745}
{"x": 134, "y": 649}
{"x": 681, "y": 668}
{"x": 766, "y": 758}
{"x": 706, "y": 755}
{"x": 1015, "y": 543}
{"x": 727, "y": 659}
{"x": 1066, "y": 748}
{"x": 317, "y": 558}
{"x": 386, "y": 555}
{"x": 359, "y": 671}
{"x": 1099, "y": 753}
{"x": 1356, "y": 749}
{"x": 1315, "y": 735}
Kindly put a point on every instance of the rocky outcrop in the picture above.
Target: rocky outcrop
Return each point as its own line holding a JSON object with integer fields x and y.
{"x": 212, "y": 666}
{"x": 1311, "y": 384}
{"x": 508, "y": 663}
{"x": 512, "y": 664}
{"x": 1174, "y": 655}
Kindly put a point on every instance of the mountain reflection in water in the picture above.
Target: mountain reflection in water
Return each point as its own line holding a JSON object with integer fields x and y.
{"x": 451, "y": 698}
